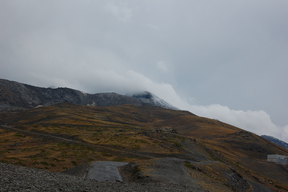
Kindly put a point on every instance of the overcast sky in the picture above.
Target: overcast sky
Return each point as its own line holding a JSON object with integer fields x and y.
{"x": 224, "y": 59}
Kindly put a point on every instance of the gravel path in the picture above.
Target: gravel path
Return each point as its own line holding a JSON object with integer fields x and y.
{"x": 24, "y": 179}
{"x": 105, "y": 171}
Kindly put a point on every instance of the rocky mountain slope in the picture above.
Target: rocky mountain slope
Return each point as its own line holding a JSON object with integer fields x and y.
{"x": 276, "y": 141}
{"x": 14, "y": 95}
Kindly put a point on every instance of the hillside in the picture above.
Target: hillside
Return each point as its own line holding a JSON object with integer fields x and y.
{"x": 158, "y": 141}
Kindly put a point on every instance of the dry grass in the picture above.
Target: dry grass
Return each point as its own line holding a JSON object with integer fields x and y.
{"x": 127, "y": 133}
{"x": 109, "y": 136}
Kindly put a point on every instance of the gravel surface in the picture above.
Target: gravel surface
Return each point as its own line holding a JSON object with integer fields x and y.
{"x": 17, "y": 178}
{"x": 105, "y": 171}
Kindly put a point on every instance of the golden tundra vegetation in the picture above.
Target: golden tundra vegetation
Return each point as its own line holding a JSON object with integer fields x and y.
{"x": 63, "y": 136}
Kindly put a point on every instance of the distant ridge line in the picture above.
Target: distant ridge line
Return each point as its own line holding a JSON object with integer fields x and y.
{"x": 15, "y": 95}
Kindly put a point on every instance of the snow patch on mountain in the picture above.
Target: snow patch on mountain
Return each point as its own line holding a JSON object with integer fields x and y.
{"x": 151, "y": 99}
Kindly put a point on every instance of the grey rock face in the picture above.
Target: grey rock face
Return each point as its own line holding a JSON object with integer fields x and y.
{"x": 14, "y": 95}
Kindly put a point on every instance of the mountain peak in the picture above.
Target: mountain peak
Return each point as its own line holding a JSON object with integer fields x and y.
{"x": 150, "y": 98}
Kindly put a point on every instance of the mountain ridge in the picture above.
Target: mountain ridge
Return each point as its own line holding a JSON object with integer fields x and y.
{"x": 15, "y": 95}
{"x": 276, "y": 141}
